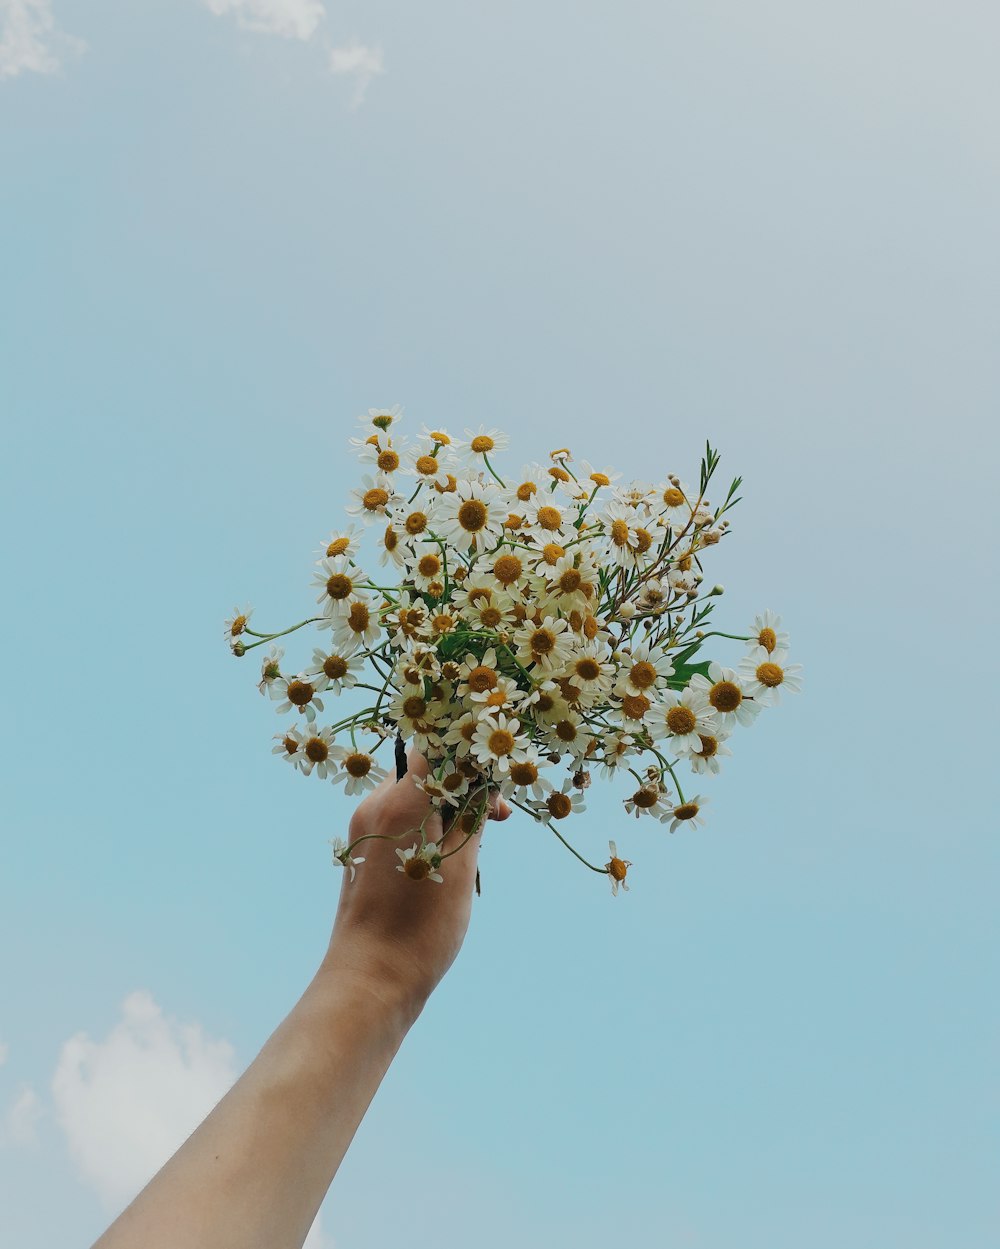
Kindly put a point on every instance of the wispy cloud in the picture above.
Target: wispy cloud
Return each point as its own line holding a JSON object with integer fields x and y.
{"x": 294, "y": 19}
{"x": 30, "y": 41}
{"x": 360, "y": 61}
{"x": 127, "y": 1103}
{"x": 20, "y": 1122}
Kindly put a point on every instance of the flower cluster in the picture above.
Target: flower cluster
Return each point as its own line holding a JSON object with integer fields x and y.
{"x": 527, "y": 631}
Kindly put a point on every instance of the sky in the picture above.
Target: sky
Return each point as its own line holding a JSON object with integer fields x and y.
{"x": 232, "y": 226}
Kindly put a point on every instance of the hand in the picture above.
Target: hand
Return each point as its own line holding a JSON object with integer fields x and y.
{"x": 400, "y": 934}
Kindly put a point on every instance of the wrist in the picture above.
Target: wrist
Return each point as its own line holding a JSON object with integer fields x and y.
{"x": 373, "y": 980}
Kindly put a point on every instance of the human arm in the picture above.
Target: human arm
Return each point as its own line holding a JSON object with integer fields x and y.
{"x": 254, "y": 1173}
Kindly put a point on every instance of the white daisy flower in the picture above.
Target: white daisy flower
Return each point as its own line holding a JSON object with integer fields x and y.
{"x": 680, "y": 718}
{"x": 644, "y": 669}
{"x": 421, "y": 862}
{"x": 649, "y": 799}
{"x": 357, "y": 629}
{"x": 429, "y": 468}
{"x": 358, "y": 769}
{"x": 766, "y": 631}
{"x": 316, "y": 748}
{"x": 764, "y": 671}
{"x": 706, "y": 760}
{"x": 407, "y": 620}
{"x": 427, "y": 569}
{"x": 331, "y": 670}
{"x": 560, "y": 803}
{"x": 727, "y": 693}
{"x": 340, "y": 855}
{"x": 372, "y": 498}
{"x": 385, "y": 457}
{"x": 415, "y": 520}
{"x": 617, "y": 749}
{"x": 479, "y": 677}
{"x": 483, "y": 444}
{"x": 270, "y": 670}
{"x": 524, "y": 781}
{"x": 393, "y": 548}
{"x": 289, "y": 746}
{"x": 570, "y": 736}
{"x": 547, "y": 645}
{"x": 471, "y": 516}
{"x": 591, "y": 671}
{"x": 461, "y": 733}
{"x": 616, "y": 869}
{"x": 299, "y": 693}
{"x": 380, "y": 418}
{"x": 688, "y": 812}
{"x": 338, "y": 582}
{"x": 498, "y": 743}
{"x": 547, "y": 519}
{"x": 674, "y": 508}
{"x": 596, "y": 478}
{"x": 439, "y": 437}
{"x": 237, "y": 623}
{"x": 344, "y": 544}
{"x": 510, "y": 570}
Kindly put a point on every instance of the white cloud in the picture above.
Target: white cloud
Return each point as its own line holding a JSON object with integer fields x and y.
{"x": 29, "y": 39}
{"x": 19, "y": 1123}
{"x": 295, "y": 19}
{"x": 358, "y": 59}
{"x": 127, "y": 1103}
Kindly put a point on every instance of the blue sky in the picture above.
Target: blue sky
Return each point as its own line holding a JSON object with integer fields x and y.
{"x": 229, "y": 228}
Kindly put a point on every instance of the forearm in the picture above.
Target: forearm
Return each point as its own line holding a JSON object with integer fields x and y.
{"x": 253, "y": 1174}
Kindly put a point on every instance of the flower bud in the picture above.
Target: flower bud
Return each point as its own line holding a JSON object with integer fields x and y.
{"x": 717, "y": 589}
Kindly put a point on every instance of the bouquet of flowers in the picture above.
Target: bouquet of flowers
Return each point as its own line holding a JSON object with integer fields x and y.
{"x": 528, "y": 631}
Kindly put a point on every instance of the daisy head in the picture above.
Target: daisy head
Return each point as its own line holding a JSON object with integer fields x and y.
{"x": 371, "y": 499}
{"x": 688, "y": 812}
{"x": 421, "y": 862}
{"x": 342, "y": 855}
{"x": 616, "y": 869}
{"x": 766, "y": 631}
{"x": 236, "y": 625}
{"x": 471, "y": 516}
{"x": 766, "y": 673}
{"x": 482, "y": 444}
{"x": 358, "y": 770}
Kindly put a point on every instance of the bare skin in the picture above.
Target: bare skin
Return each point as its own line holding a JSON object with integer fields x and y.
{"x": 254, "y": 1173}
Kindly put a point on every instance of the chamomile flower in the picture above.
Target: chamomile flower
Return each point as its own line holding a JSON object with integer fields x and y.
{"x": 591, "y": 671}
{"x": 270, "y": 670}
{"x": 470, "y": 517}
{"x": 236, "y": 625}
{"x": 766, "y": 631}
{"x": 570, "y": 736}
{"x": 385, "y": 456}
{"x": 481, "y": 445}
{"x": 342, "y": 856}
{"x": 560, "y": 803}
{"x": 393, "y": 548}
{"x": 345, "y": 544}
{"x": 427, "y": 568}
{"x": 524, "y": 780}
{"x": 616, "y": 869}
{"x": 431, "y": 469}
{"x": 421, "y": 862}
{"x": 649, "y": 799}
{"x": 299, "y": 693}
{"x": 617, "y": 747}
{"x": 381, "y": 419}
{"x": 316, "y": 747}
{"x": 546, "y": 645}
{"x": 592, "y": 478}
{"x": 727, "y": 693}
{"x": 706, "y": 758}
{"x": 289, "y": 746}
{"x": 674, "y": 508}
{"x": 414, "y": 520}
{"x": 357, "y": 769}
{"x": 333, "y": 671}
{"x": 338, "y": 582}
{"x": 644, "y": 668}
{"x": 688, "y": 812}
{"x": 498, "y": 743}
{"x": 359, "y": 628}
{"x": 547, "y": 519}
{"x": 680, "y": 717}
{"x": 767, "y": 672}
{"x": 371, "y": 499}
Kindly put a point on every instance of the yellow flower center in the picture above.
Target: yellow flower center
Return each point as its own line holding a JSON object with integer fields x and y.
{"x": 443, "y": 623}
{"x": 545, "y": 702}
{"x": 450, "y": 486}
{"x": 635, "y": 706}
{"x": 338, "y": 586}
{"x": 426, "y": 465}
{"x": 588, "y": 669}
{"x": 414, "y": 707}
{"x": 709, "y": 746}
{"x": 542, "y": 642}
{"x": 388, "y": 461}
{"x": 291, "y": 745}
{"x": 417, "y": 868}
{"x": 643, "y": 675}
{"x": 507, "y": 569}
{"x": 337, "y": 547}
{"x": 725, "y": 696}
{"x": 767, "y": 639}
{"x": 472, "y": 515}
{"x": 453, "y": 781}
{"x": 482, "y": 679}
{"x": 317, "y": 750}
{"x": 559, "y": 805}
{"x": 549, "y": 518}
{"x": 523, "y": 773}
{"x": 440, "y": 436}
{"x": 687, "y": 811}
{"x": 566, "y": 731}
{"x": 359, "y": 619}
{"x": 770, "y": 675}
{"x": 391, "y": 539}
{"x": 374, "y": 499}
{"x": 600, "y": 479}
{"x": 482, "y": 444}
{"x": 645, "y": 540}
{"x": 491, "y": 617}
{"x": 335, "y": 667}
{"x": 559, "y": 474}
{"x": 525, "y": 490}
{"x": 645, "y": 798}
{"x": 619, "y": 533}
{"x": 299, "y": 693}
{"x": 681, "y": 720}
{"x": 429, "y": 565}
{"x": 552, "y": 553}
{"x": 617, "y": 868}
{"x": 415, "y": 523}
{"x": 358, "y": 765}
{"x": 673, "y": 497}
{"x": 500, "y": 742}
{"x": 591, "y": 628}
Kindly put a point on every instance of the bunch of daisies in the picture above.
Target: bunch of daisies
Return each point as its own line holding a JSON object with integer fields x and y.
{"x": 525, "y": 631}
